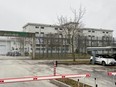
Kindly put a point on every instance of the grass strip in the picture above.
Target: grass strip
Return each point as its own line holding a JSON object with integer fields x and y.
{"x": 74, "y": 62}
{"x": 73, "y": 83}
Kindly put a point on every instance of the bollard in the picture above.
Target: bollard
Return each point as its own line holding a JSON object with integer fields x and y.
{"x": 56, "y": 63}
{"x": 95, "y": 83}
{"x": 78, "y": 82}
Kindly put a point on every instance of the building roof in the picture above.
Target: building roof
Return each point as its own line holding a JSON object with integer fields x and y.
{"x": 48, "y": 25}
{"x": 96, "y": 29}
{"x": 101, "y": 48}
{"x": 37, "y": 24}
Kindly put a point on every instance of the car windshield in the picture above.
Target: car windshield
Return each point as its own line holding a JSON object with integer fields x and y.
{"x": 107, "y": 56}
{"x": 104, "y": 56}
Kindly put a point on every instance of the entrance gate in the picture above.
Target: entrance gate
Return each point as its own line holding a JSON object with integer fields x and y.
{"x": 21, "y": 34}
{"x": 36, "y": 78}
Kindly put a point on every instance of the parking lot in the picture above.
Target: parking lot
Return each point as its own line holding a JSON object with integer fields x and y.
{"x": 21, "y": 68}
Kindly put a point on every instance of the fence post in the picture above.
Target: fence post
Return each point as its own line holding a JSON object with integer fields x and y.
{"x": 55, "y": 68}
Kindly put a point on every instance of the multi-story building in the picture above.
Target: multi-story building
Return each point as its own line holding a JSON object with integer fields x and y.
{"x": 47, "y": 37}
{"x": 40, "y": 29}
{"x": 92, "y": 32}
{"x": 92, "y": 37}
{"x": 88, "y": 37}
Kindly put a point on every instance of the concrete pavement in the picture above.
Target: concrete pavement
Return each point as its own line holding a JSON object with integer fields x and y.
{"x": 24, "y": 68}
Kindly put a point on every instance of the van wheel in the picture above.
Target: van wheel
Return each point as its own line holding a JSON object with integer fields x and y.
{"x": 103, "y": 63}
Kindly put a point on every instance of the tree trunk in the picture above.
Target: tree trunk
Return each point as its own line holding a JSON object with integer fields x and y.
{"x": 73, "y": 52}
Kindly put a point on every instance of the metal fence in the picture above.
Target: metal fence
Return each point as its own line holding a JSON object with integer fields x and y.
{"x": 82, "y": 42}
{"x": 50, "y": 46}
{"x": 57, "y": 46}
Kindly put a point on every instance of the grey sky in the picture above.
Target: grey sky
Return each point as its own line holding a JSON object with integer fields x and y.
{"x": 14, "y": 14}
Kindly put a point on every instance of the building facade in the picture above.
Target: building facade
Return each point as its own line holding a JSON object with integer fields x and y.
{"x": 88, "y": 37}
{"x": 9, "y": 44}
{"x": 92, "y": 37}
{"x": 92, "y": 32}
{"x": 47, "y": 38}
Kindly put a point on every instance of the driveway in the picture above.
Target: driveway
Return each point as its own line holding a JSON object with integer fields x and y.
{"x": 21, "y": 68}
{"x": 24, "y": 68}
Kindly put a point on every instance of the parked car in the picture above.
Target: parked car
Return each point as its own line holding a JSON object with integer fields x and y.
{"x": 9, "y": 54}
{"x": 13, "y": 53}
{"x": 103, "y": 59}
{"x": 16, "y": 53}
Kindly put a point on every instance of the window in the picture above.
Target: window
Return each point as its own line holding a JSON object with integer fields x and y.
{"x": 60, "y": 28}
{"x": 53, "y": 48}
{"x": 103, "y": 36}
{"x": 93, "y": 31}
{"x": 89, "y": 35}
{"x": 103, "y": 32}
{"x": 60, "y": 34}
{"x": 56, "y": 28}
{"x": 43, "y": 45}
{"x": 42, "y": 48}
{"x": 93, "y": 36}
{"x": 66, "y": 49}
{"x": 42, "y": 27}
{"x": 89, "y": 31}
{"x": 36, "y": 26}
{"x": 37, "y": 48}
{"x": 37, "y": 32}
{"x": 48, "y": 48}
{"x": 12, "y": 48}
{"x": 37, "y": 44}
{"x": 107, "y": 32}
{"x": 42, "y": 32}
{"x": 57, "y": 48}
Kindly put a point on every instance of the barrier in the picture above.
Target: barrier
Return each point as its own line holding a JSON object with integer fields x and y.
{"x": 36, "y": 78}
{"x": 111, "y": 73}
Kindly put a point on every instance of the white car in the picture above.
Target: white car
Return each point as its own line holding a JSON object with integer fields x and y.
{"x": 103, "y": 59}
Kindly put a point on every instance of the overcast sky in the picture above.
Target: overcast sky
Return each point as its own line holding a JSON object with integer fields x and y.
{"x": 14, "y": 14}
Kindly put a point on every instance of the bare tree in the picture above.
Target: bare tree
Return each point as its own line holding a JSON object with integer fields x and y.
{"x": 51, "y": 42}
{"x": 71, "y": 27}
{"x": 55, "y": 43}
